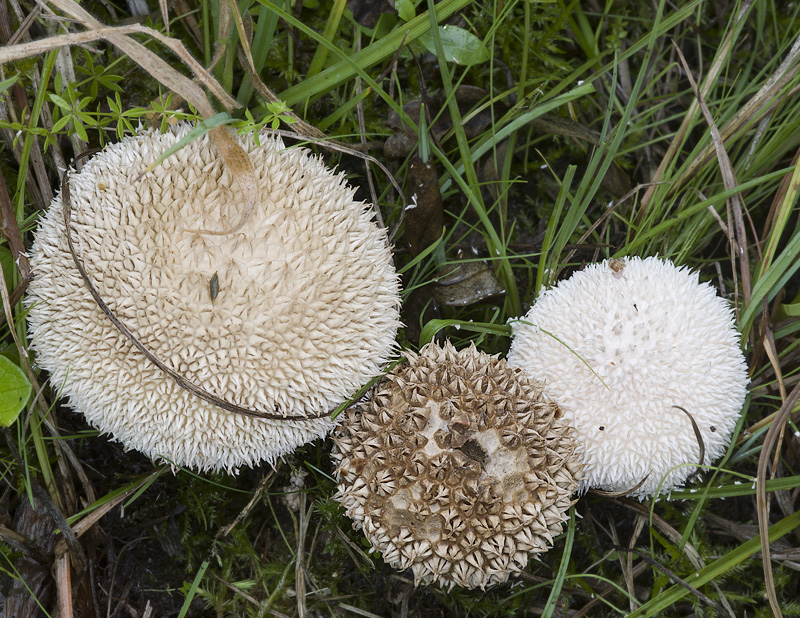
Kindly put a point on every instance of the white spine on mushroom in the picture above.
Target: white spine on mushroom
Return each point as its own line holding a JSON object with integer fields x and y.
{"x": 621, "y": 343}
{"x": 306, "y": 311}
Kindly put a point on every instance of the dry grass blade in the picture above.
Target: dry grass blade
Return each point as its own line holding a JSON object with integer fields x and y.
{"x": 339, "y": 147}
{"x": 20, "y": 32}
{"x": 229, "y": 149}
{"x": 300, "y": 559}
{"x": 626, "y": 564}
{"x": 763, "y": 102}
{"x": 154, "y": 64}
{"x": 242, "y": 169}
{"x": 9, "y": 53}
{"x": 185, "y": 14}
{"x": 64, "y": 585}
{"x": 269, "y": 96}
{"x": 85, "y": 523}
{"x": 262, "y": 486}
{"x": 710, "y": 81}
{"x": 728, "y": 179}
{"x": 761, "y": 495}
{"x": 162, "y": 5}
{"x": 62, "y": 569}
{"x": 223, "y": 31}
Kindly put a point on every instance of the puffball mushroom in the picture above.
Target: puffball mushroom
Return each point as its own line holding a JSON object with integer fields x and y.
{"x": 456, "y": 467}
{"x": 289, "y": 314}
{"x": 627, "y": 348}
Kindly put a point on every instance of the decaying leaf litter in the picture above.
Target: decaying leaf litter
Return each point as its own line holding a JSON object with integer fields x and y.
{"x": 523, "y": 204}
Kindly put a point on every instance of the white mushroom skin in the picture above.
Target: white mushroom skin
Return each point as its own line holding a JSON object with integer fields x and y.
{"x": 305, "y": 312}
{"x": 619, "y": 345}
{"x": 456, "y": 468}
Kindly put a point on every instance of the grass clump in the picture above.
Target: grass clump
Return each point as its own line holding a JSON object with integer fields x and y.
{"x": 569, "y": 132}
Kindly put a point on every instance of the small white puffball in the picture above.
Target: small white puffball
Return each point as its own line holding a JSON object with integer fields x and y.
{"x": 619, "y": 345}
{"x": 289, "y": 314}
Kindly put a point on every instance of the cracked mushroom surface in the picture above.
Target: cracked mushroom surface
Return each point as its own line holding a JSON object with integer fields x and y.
{"x": 630, "y": 348}
{"x": 456, "y": 467}
{"x": 289, "y": 314}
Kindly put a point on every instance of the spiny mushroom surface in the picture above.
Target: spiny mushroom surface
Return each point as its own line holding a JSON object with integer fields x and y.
{"x": 619, "y": 345}
{"x": 456, "y": 467}
{"x": 289, "y": 314}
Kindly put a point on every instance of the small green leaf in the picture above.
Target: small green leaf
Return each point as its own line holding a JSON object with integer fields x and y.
{"x": 460, "y": 46}
{"x": 405, "y": 9}
{"x": 60, "y": 124}
{"x": 792, "y": 310}
{"x": 60, "y": 102}
{"x": 14, "y": 391}
{"x": 80, "y": 130}
{"x": 7, "y": 83}
{"x": 200, "y": 129}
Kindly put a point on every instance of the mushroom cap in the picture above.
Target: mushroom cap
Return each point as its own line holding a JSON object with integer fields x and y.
{"x": 619, "y": 345}
{"x": 306, "y": 311}
{"x": 456, "y": 467}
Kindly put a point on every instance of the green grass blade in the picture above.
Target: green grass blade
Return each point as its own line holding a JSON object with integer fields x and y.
{"x": 552, "y": 226}
{"x": 334, "y": 18}
{"x": 555, "y": 591}
{"x": 717, "y": 568}
{"x": 434, "y": 326}
{"x": 514, "y": 120}
{"x": 347, "y": 68}
{"x": 773, "y": 280}
{"x": 193, "y": 589}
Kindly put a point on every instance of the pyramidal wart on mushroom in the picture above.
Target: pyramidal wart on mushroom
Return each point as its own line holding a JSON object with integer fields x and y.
{"x": 288, "y": 314}
{"x": 456, "y": 467}
{"x": 633, "y": 350}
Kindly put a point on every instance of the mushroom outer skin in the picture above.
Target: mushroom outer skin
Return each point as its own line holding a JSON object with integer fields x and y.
{"x": 622, "y": 346}
{"x": 456, "y": 467}
{"x": 290, "y": 314}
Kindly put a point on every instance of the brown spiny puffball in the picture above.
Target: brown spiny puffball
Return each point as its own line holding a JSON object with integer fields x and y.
{"x": 457, "y": 467}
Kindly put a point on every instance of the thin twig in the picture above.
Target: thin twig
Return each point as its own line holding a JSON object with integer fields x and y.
{"x": 262, "y": 485}
{"x": 362, "y": 135}
{"x": 673, "y": 576}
